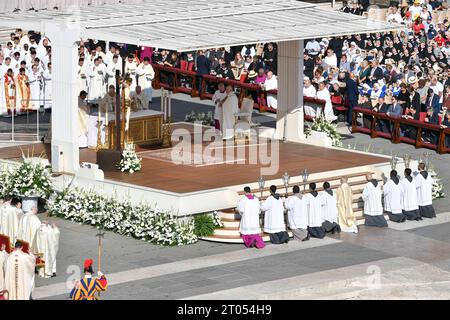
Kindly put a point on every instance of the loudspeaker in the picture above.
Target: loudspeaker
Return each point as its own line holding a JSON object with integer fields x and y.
{"x": 108, "y": 160}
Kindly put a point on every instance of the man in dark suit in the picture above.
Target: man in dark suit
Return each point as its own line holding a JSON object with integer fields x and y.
{"x": 352, "y": 95}
{"x": 203, "y": 67}
{"x": 431, "y": 118}
{"x": 432, "y": 101}
{"x": 382, "y": 107}
{"x": 376, "y": 73}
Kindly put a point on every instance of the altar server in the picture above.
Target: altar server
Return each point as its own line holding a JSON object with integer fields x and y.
{"x": 111, "y": 69}
{"x": 217, "y": 98}
{"x": 146, "y": 74}
{"x": 329, "y": 210}
{"x": 82, "y": 76}
{"x": 344, "y": 199}
{"x": 19, "y": 274}
{"x": 96, "y": 74}
{"x": 274, "y": 217}
{"x": 314, "y": 205}
{"x": 229, "y": 108}
{"x": 392, "y": 191}
{"x": 28, "y": 227}
{"x": 410, "y": 205}
{"x": 249, "y": 227}
{"x": 83, "y": 117}
{"x": 373, "y": 208}
{"x": 424, "y": 184}
{"x": 3, "y": 257}
{"x": 297, "y": 214}
{"x": 88, "y": 288}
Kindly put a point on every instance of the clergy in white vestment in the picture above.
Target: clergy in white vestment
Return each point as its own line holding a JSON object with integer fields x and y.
{"x": 271, "y": 83}
{"x": 217, "y": 98}
{"x": 28, "y": 227}
{"x": 108, "y": 102}
{"x": 329, "y": 210}
{"x": 82, "y": 78}
{"x": 410, "y": 204}
{"x": 309, "y": 91}
{"x": 83, "y": 119}
{"x": 7, "y": 219}
{"x": 314, "y": 205}
{"x": 3, "y": 257}
{"x": 131, "y": 71}
{"x": 35, "y": 79}
{"x": 230, "y": 106}
{"x": 46, "y": 242}
{"x": 97, "y": 76}
{"x": 146, "y": 74}
{"x": 47, "y": 88}
{"x": 274, "y": 217}
{"x": 249, "y": 227}
{"x": 424, "y": 183}
{"x": 392, "y": 191}
{"x": 373, "y": 208}
{"x": 19, "y": 274}
{"x": 297, "y": 214}
{"x": 344, "y": 201}
{"x": 324, "y": 94}
{"x": 111, "y": 69}
{"x": 139, "y": 100}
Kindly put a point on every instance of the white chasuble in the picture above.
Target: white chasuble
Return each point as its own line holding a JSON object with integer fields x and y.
{"x": 28, "y": 227}
{"x": 19, "y": 275}
{"x": 3, "y": 257}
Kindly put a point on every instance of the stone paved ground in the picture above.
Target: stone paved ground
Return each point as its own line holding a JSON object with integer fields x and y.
{"x": 405, "y": 261}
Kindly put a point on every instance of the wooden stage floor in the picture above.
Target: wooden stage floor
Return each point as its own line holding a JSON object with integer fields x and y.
{"x": 159, "y": 172}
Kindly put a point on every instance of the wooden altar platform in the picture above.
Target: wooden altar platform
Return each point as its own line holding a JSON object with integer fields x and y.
{"x": 159, "y": 172}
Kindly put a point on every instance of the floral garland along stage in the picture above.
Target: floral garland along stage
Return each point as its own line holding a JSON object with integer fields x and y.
{"x": 321, "y": 124}
{"x": 130, "y": 161}
{"x": 141, "y": 221}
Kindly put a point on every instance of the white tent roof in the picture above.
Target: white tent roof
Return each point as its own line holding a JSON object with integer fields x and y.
{"x": 185, "y": 25}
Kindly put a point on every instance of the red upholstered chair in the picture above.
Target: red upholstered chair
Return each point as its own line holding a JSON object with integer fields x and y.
{"x": 26, "y": 248}
{"x": 422, "y": 116}
{"x": 440, "y": 119}
{"x": 183, "y": 65}
{"x": 191, "y": 66}
{"x": 4, "y": 239}
{"x": 243, "y": 77}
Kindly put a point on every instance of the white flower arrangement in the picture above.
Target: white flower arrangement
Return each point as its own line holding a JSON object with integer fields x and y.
{"x": 323, "y": 125}
{"x": 206, "y": 119}
{"x": 217, "y": 221}
{"x": 438, "y": 188}
{"x": 141, "y": 221}
{"x": 5, "y": 180}
{"x": 130, "y": 161}
{"x": 30, "y": 178}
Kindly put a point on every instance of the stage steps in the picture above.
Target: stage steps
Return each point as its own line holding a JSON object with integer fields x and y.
{"x": 231, "y": 219}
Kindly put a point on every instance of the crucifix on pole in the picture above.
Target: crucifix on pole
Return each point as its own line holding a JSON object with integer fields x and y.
{"x": 100, "y": 235}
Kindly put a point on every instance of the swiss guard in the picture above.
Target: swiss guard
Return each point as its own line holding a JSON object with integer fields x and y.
{"x": 88, "y": 288}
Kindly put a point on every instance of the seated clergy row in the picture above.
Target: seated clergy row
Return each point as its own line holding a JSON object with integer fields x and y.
{"x": 406, "y": 199}
{"x": 42, "y": 237}
{"x": 309, "y": 215}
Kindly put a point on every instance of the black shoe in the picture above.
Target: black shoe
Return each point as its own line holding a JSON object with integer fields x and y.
{"x": 53, "y": 275}
{"x": 307, "y": 238}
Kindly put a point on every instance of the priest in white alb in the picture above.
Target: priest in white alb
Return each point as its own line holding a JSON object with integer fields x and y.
{"x": 344, "y": 199}
{"x": 314, "y": 205}
{"x": 329, "y": 210}
{"x": 230, "y": 107}
{"x": 297, "y": 214}
{"x": 146, "y": 74}
{"x": 97, "y": 77}
{"x": 392, "y": 191}
{"x": 271, "y": 83}
{"x": 83, "y": 120}
{"x": 28, "y": 228}
{"x": 139, "y": 100}
{"x": 424, "y": 184}
{"x": 249, "y": 227}
{"x": 373, "y": 208}
{"x": 54, "y": 247}
{"x": 7, "y": 219}
{"x": 274, "y": 217}
{"x": 45, "y": 243}
{"x": 309, "y": 91}
{"x": 3, "y": 257}
{"x": 19, "y": 274}
{"x": 410, "y": 205}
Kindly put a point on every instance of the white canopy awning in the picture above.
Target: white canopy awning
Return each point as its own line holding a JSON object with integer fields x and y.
{"x": 185, "y": 25}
